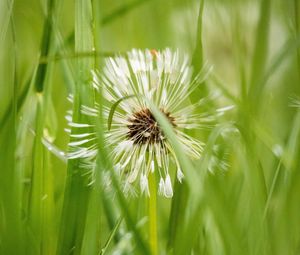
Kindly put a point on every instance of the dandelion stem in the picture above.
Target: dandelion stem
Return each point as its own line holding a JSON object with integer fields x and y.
{"x": 152, "y": 215}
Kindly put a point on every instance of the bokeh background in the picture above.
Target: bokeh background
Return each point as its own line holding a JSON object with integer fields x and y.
{"x": 251, "y": 206}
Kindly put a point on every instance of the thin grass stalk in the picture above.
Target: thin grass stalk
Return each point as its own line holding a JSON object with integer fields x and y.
{"x": 152, "y": 224}
{"x": 111, "y": 236}
{"x": 177, "y": 213}
{"x": 37, "y": 179}
{"x": 297, "y": 28}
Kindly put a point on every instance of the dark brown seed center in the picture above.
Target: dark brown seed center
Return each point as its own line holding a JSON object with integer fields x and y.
{"x": 144, "y": 128}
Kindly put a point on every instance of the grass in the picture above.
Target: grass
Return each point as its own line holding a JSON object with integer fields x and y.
{"x": 51, "y": 206}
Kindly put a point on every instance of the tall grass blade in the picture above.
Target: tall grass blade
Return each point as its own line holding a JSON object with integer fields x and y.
{"x": 77, "y": 191}
{"x": 11, "y": 234}
{"x": 260, "y": 55}
{"x": 45, "y": 46}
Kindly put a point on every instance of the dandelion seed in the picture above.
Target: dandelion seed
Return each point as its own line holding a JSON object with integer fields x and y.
{"x": 144, "y": 184}
{"x": 168, "y": 187}
{"x": 138, "y": 144}
{"x": 180, "y": 175}
{"x": 161, "y": 186}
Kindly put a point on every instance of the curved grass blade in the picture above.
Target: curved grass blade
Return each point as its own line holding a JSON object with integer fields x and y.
{"x": 111, "y": 236}
{"x": 113, "y": 109}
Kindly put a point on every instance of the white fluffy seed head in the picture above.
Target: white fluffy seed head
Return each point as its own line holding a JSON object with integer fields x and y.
{"x": 138, "y": 145}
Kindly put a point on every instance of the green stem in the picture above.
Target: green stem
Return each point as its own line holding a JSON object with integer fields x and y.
{"x": 152, "y": 216}
{"x": 45, "y": 47}
{"x": 297, "y": 25}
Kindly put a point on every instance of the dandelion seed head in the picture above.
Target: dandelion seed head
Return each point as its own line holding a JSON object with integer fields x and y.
{"x": 136, "y": 141}
{"x": 144, "y": 129}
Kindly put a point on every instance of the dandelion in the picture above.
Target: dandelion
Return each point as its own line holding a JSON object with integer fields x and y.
{"x": 138, "y": 144}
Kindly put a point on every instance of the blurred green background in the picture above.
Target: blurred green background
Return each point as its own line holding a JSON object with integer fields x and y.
{"x": 47, "y": 206}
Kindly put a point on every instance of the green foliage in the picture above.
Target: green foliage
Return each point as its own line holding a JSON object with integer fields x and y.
{"x": 54, "y": 206}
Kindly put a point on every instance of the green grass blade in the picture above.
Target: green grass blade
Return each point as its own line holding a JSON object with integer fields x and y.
{"x": 45, "y": 46}
{"x": 92, "y": 233}
{"x": 261, "y": 50}
{"x": 297, "y": 26}
{"x": 77, "y": 191}
{"x": 177, "y": 214}
{"x": 35, "y": 210}
{"x": 142, "y": 246}
{"x": 6, "y": 9}
{"x": 122, "y": 11}
{"x": 20, "y": 101}
{"x": 152, "y": 214}
{"x": 111, "y": 237}
{"x": 197, "y": 59}
{"x": 11, "y": 225}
